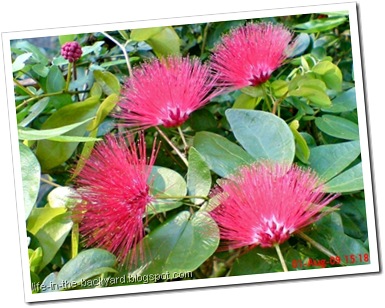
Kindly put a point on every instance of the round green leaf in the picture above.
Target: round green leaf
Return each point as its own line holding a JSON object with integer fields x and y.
{"x": 338, "y": 127}
{"x": 331, "y": 159}
{"x": 165, "y": 183}
{"x": 86, "y": 264}
{"x": 30, "y": 172}
{"x": 263, "y": 135}
{"x": 221, "y": 155}
{"x": 179, "y": 245}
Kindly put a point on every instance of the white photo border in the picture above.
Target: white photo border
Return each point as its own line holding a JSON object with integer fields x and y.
{"x": 7, "y": 37}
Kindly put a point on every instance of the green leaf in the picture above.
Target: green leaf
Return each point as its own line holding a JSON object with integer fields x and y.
{"x": 165, "y": 42}
{"x": 302, "y": 43}
{"x": 201, "y": 120}
{"x": 37, "y": 55}
{"x": 320, "y": 25}
{"x": 245, "y": 101}
{"x": 338, "y": 127}
{"x": 63, "y": 197}
{"x": 30, "y": 172}
{"x": 52, "y": 236}
{"x": 55, "y": 81}
{"x": 330, "y": 74}
{"x": 144, "y": 34}
{"x": 108, "y": 81}
{"x": 104, "y": 110}
{"x": 221, "y": 155}
{"x": 279, "y": 87}
{"x": 349, "y": 249}
{"x": 256, "y": 91}
{"x": 35, "y": 257}
{"x": 302, "y": 150}
{"x": 312, "y": 89}
{"x": 124, "y": 34}
{"x": 329, "y": 232}
{"x": 348, "y": 181}
{"x": 85, "y": 265}
{"x": 66, "y": 38}
{"x": 96, "y": 90}
{"x": 179, "y": 245}
{"x": 52, "y": 153}
{"x": 40, "y": 69}
{"x": 331, "y": 159}
{"x": 198, "y": 176}
{"x": 26, "y": 133}
{"x": 264, "y": 135}
{"x": 343, "y": 102}
{"x": 73, "y": 139}
{"x": 41, "y": 216}
{"x": 85, "y": 154}
{"x": 35, "y": 110}
{"x": 353, "y": 214}
{"x": 95, "y": 48}
{"x": 257, "y": 261}
{"x": 164, "y": 183}
{"x": 20, "y": 60}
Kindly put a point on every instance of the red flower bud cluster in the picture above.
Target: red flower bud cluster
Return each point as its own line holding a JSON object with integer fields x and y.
{"x": 71, "y": 51}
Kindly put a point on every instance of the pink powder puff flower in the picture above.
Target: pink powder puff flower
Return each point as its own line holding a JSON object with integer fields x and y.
{"x": 263, "y": 204}
{"x": 249, "y": 54}
{"x": 114, "y": 189}
{"x": 165, "y": 92}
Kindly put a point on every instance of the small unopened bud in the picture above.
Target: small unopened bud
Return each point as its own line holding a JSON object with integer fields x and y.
{"x": 71, "y": 51}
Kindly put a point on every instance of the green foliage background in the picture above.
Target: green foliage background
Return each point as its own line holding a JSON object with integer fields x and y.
{"x": 315, "y": 124}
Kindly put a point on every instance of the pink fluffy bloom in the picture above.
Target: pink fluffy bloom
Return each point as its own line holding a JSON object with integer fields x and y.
{"x": 264, "y": 204}
{"x": 248, "y": 55}
{"x": 165, "y": 92}
{"x": 113, "y": 186}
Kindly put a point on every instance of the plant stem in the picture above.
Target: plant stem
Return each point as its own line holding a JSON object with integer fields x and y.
{"x": 181, "y": 155}
{"x": 317, "y": 245}
{"x": 75, "y": 240}
{"x": 69, "y": 73}
{"x": 49, "y": 182}
{"x": 30, "y": 93}
{"x": 281, "y": 259}
{"x": 183, "y": 139}
{"x": 26, "y": 102}
{"x": 278, "y": 102}
{"x": 123, "y": 50}
{"x": 204, "y": 38}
